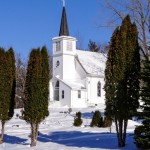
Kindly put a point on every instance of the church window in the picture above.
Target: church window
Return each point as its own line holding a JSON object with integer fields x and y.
{"x": 99, "y": 89}
{"x": 63, "y": 94}
{"x": 57, "y": 46}
{"x": 69, "y": 46}
{"x": 57, "y": 85}
{"x": 79, "y": 94}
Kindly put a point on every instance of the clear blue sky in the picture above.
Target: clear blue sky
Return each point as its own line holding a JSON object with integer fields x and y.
{"x": 27, "y": 24}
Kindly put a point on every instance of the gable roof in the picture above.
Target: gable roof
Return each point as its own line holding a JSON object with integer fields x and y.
{"x": 72, "y": 84}
{"x": 92, "y": 62}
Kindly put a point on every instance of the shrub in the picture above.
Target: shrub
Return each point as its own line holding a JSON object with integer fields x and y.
{"x": 107, "y": 122}
{"x": 141, "y": 140}
{"x": 101, "y": 122}
{"x": 97, "y": 120}
{"x": 78, "y": 120}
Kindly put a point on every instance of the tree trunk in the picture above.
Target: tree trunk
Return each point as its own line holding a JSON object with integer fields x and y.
{"x": 110, "y": 129}
{"x": 37, "y": 129}
{"x": 116, "y": 123}
{"x": 33, "y": 134}
{"x": 125, "y": 128}
{"x": 2, "y": 132}
{"x": 121, "y": 142}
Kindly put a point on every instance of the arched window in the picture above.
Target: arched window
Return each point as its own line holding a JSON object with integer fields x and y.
{"x": 57, "y": 85}
{"x": 99, "y": 89}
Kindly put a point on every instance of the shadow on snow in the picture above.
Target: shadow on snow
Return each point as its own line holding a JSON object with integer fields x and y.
{"x": 81, "y": 139}
{"x": 89, "y": 115}
{"x": 13, "y": 139}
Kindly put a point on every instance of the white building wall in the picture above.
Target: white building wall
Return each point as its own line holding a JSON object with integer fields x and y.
{"x": 72, "y": 70}
{"x": 58, "y": 70}
{"x": 51, "y": 93}
{"x": 66, "y": 57}
{"x": 92, "y": 96}
{"x": 68, "y": 67}
{"x": 66, "y": 101}
{"x": 79, "y": 102}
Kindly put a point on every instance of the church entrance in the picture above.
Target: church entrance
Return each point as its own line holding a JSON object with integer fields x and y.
{"x": 56, "y": 91}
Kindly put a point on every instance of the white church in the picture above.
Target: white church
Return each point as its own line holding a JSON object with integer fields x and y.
{"x": 78, "y": 76}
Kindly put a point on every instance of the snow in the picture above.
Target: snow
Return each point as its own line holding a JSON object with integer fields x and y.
{"x": 74, "y": 85}
{"x": 57, "y": 132}
{"x": 93, "y": 63}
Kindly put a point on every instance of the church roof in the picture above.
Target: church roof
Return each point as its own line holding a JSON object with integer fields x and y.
{"x": 75, "y": 85}
{"x": 64, "y": 31}
{"x": 92, "y": 62}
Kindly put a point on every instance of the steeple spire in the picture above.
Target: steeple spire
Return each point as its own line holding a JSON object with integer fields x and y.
{"x": 64, "y": 31}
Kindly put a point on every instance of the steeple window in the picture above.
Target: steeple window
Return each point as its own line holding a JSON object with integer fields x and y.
{"x": 57, "y": 48}
{"x": 69, "y": 45}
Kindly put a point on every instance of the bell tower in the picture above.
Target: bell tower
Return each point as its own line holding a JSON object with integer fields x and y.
{"x": 64, "y": 50}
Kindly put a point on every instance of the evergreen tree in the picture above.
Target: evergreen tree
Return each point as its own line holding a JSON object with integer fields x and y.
{"x": 78, "y": 120}
{"x": 122, "y": 77}
{"x": 110, "y": 77}
{"x": 2, "y": 91}
{"x": 13, "y": 81}
{"x": 45, "y": 80}
{"x": 142, "y": 132}
{"x": 7, "y": 87}
{"x": 107, "y": 122}
{"x": 97, "y": 120}
{"x": 36, "y": 91}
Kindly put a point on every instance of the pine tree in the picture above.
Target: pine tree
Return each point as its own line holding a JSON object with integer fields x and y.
{"x": 7, "y": 87}
{"x": 142, "y": 132}
{"x": 36, "y": 91}
{"x": 122, "y": 77}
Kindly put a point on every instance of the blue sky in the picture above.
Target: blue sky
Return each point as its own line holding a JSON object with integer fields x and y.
{"x": 27, "y": 24}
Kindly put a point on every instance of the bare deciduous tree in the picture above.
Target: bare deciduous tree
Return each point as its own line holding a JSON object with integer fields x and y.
{"x": 51, "y": 65}
{"x": 98, "y": 47}
{"x": 139, "y": 11}
{"x": 20, "y": 80}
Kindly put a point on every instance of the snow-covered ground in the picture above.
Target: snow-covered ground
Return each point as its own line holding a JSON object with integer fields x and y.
{"x": 58, "y": 133}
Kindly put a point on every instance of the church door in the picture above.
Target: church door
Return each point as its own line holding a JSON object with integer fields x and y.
{"x": 56, "y": 91}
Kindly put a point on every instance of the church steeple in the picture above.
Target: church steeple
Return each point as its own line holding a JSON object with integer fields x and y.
{"x": 64, "y": 31}
{"x": 64, "y": 44}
